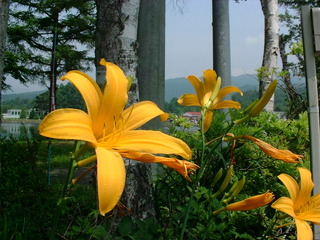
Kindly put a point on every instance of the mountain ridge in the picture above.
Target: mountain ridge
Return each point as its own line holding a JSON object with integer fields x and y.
{"x": 174, "y": 87}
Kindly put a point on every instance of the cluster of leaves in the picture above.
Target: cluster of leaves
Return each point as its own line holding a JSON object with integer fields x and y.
{"x": 66, "y": 96}
{"x": 261, "y": 171}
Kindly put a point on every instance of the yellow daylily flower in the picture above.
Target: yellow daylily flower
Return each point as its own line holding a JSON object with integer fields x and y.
{"x": 209, "y": 95}
{"x": 111, "y": 131}
{"x": 300, "y": 206}
{"x": 251, "y": 202}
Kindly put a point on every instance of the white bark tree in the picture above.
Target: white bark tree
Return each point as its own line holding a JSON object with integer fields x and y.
{"x": 116, "y": 41}
{"x": 4, "y": 15}
{"x": 271, "y": 47}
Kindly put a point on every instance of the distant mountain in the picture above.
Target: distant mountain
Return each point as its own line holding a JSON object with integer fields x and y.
{"x": 175, "y": 87}
{"x": 25, "y": 95}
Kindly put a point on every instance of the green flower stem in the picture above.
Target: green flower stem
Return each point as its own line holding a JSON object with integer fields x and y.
{"x": 72, "y": 167}
{"x": 186, "y": 216}
{"x": 271, "y": 226}
{"x": 203, "y": 165}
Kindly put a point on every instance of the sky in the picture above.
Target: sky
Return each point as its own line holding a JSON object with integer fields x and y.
{"x": 189, "y": 39}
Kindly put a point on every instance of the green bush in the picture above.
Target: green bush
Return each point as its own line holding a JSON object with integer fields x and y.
{"x": 28, "y": 202}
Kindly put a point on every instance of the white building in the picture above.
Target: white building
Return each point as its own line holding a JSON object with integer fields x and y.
{"x": 12, "y": 114}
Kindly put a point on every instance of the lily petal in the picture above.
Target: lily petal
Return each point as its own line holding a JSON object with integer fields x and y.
{"x": 114, "y": 99}
{"x": 313, "y": 215}
{"x": 110, "y": 178}
{"x": 227, "y": 90}
{"x": 89, "y": 90}
{"x": 304, "y": 231}
{"x": 306, "y": 186}
{"x": 198, "y": 87}
{"x": 207, "y": 120}
{"x": 291, "y": 185}
{"x": 182, "y": 167}
{"x": 209, "y": 82}
{"x": 140, "y": 113}
{"x": 67, "y": 123}
{"x": 225, "y": 104}
{"x": 189, "y": 99}
{"x": 152, "y": 142}
{"x": 285, "y": 205}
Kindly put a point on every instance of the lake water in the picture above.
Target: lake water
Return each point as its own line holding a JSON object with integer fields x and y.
{"x": 16, "y": 129}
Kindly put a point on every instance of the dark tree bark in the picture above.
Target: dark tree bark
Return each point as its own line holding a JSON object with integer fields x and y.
{"x": 4, "y": 16}
{"x": 296, "y": 101}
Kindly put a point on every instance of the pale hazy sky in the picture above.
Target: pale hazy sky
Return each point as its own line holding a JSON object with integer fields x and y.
{"x": 189, "y": 39}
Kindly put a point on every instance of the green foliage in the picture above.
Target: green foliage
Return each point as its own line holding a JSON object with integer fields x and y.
{"x": 67, "y": 96}
{"x": 173, "y": 192}
{"x": 34, "y": 27}
{"x": 33, "y": 115}
{"x": 28, "y": 202}
{"x": 17, "y": 103}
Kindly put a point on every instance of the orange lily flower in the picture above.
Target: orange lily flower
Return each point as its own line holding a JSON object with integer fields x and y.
{"x": 284, "y": 155}
{"x": 251, "y": 202}
{"x": 209, "y": 95}
{"x": 301, "y": 206}
{"x": 111, "y": 131}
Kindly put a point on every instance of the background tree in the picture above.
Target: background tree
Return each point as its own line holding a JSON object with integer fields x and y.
{"x": 4, "y": 15}
{"x": 290, "y": 43}
{"x": 116, "y": 41}
{"x": 151, "y": 54}
{"x": 271, "y": 47}
{"x": 67, "y": 97}
{"x": 47, "y": 38}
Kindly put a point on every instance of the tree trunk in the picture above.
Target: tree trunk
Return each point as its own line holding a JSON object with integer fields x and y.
{"x": 151, "y": 53}
{"x": 4, "y": 16}
{"x": 296, "y": 102}
{"x": 271, "y": 47}
{"x": 221, "y": 41}
{"x": 116, "y": 41}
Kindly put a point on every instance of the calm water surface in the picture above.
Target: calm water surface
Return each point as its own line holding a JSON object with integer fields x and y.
{"x": 17, "y": 129}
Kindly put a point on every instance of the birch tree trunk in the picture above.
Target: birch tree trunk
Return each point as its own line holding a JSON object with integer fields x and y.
{"x": 4, "y": 16}
{"x": 116, "y": 41}
{"x": 271, "y": 47}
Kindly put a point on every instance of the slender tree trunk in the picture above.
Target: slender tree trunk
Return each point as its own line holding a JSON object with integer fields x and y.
{"x": 151, "y": 39}
{"x": 296, "y": 103}
{"x": 271, "y": 46}
{"x": 4, "y": 16}
{"x": 53, "y": 64}
{"x": 116, "y": 41}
